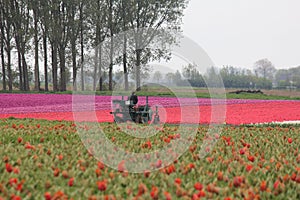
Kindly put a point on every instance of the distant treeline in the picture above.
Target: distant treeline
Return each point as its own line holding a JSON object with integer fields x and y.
{"x": 233, "y": 77}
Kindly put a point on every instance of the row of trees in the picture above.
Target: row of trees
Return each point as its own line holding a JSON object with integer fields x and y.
{"x": 264, "y": 76}
{"x": 59, "y": 33}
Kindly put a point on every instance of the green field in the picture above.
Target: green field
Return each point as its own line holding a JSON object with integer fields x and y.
{"x": 42, "y": 158}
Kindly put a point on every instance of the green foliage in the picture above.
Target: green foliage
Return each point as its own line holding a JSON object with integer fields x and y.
{"x": 45, "y": 155}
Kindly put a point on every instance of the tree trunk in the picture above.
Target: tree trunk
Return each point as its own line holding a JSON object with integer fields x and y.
{"x": 10, "y": 79}
{"x": 100, "y": 68}
{"x": 96, "y": 63}
{"x": 3, "y": 60}
{"x": 45, "y": 59}
{"x": 62, "y": 69}
{"x": 21, "y": 80}
{"x": 20, "y": 70}
{"x": 138, "y": 69}
{"x": 73, "y": 47}
{"x": 81, "y": 46}
{"x": 36, "y": 53}
{"x": 110, "y": 84}
{"x": 54, "y": 66}
{"x": 126, "y": 87}
{"x": 25, "y": 70}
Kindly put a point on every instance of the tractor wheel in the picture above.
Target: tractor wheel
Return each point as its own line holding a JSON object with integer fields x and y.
{"x": 139, "y": 119}
{"x": 118, "y": 119}
{"x": 156, "y": 119}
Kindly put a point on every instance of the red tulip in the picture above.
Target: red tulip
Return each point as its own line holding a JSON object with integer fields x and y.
{"x": 263, "y": 186}
{"x": 168, "y": 196}
{"x": 177, "y": 181}
{"x": 167, "y": 140}
{"x": 65, "y": 174}
{"x": 251, "y": 158}
{"x": 220, "y": 176}
{"x": 121, "y": 166}
{"x": 201, "y": 193}
{"x": 149, "y": 145}
{"x": 47, "y": 196}
{"x": 20, "y": 139}
{"x": 71, "y": 182}
{"x": 102, "y": 185}
{"x": 29, "y": 146}
{"x": 98, "y": 172}
{"x": 191, "y": 165}
{"x": 198, "y": 186}
{"x": 13, "y": 181}
{"x": 158, "y": 164}
{"x": 242, "y": 151}
{"x": 154, "y": 192}
{"x": 101, "y": 165}
{"x": 290, "y": 140}
{"x": 19, "y": 186}
{"x": 249, "y": 168}
{"x": 237, "y": 181}
{"x": 146, "y": 174}
{"x": 142, "y": 189}
{"x": 195, "y": 197}
{"x": 170, "y": 169}
{"x": 16, "y": 198}
{"x": 113, "y": 139}
{"x": 8, "y": 167}
{"x": 56, "y": 172}
{"x": 276, "y": 184}
{"x": 60, "y": 157}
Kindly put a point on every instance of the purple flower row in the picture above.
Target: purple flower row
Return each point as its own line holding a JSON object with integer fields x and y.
{"x": 25, "y": 103}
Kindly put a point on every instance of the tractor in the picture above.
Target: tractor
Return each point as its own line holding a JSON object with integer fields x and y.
{"x": 125, "y": 110}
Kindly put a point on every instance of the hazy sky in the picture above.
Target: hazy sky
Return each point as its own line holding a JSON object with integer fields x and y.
{"x": 240, "y": 32}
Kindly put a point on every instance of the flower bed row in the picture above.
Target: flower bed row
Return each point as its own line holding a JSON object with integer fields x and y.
{"x": 172, "y": 110}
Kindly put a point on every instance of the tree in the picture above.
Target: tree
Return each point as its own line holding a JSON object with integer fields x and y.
{"x": 35, "y": 6}
{"x": 157, "y": 76}
{"x": 170, "y": 77}
{"x": 178, "y": 79}
{"x": 111, "y": 27}
{"x": 63, "y": 39}
{"x": 265, "y": 69}
{"x": 282, "y": 78}
{"x": 44, "y": 21}
{"x": 147, "y": 17}
{"x": 53, "y": 38}
{"x": 212, "y": 78}
{"x": 82, "y": 37}
{"x": 98, "y": 17}
{"x": 2, "y": 51}
{"x": 74, "y": 24}
{"x": 125, "y": 23}
{"x": 58, "y": 26}
{"x": 6, "y": 36}
{"x": 22, "y": 32}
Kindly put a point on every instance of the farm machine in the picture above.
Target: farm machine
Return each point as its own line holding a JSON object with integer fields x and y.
{"x": 125, "y": 110}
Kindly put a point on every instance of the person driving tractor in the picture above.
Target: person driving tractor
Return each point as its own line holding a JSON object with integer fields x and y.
{"x": 133, "y": 99}
{"x": 133, "y": 106}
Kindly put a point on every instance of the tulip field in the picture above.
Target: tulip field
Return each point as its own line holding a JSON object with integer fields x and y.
{"x": 43, "y": 157}
{"x": 238, "y": 111}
